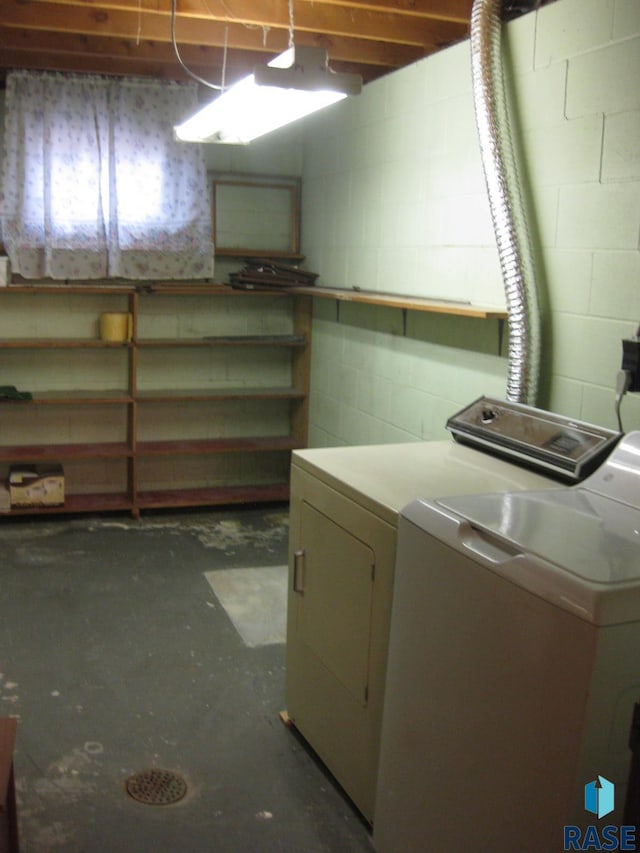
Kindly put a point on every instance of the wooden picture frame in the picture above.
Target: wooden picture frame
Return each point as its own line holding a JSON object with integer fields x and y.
{"x": 256, "y": 215}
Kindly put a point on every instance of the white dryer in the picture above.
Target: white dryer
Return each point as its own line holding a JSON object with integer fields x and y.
{"x": 514, "y": 664}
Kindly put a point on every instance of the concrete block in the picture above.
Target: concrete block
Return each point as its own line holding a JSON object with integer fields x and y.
{"x": 536, "y": 99}
{"x": 466, "y": 221}
{"x": 326, "y": 413}
{"x": 566, "y": 397}
{"x": 542, "y": 202}
{"x": 616, "y": 291}
{"x": 358, "y": 427}
{"x": 566, "y": 153}
{"x": 398, "y": 270}
{"x": 571, "y": 27}
{"x": 598, "y": 407}
{"x": 621, "y": 148}
{"x": 568, "y": 279}
{"x": 410, "y": 407}
{"x": 603, "y": 81}
{"x": 373, "y": 395}
{"x": 362, "y": 268}
{"x": 450, "y": 72}
{"x": 626, "y": 21}
{"x": 599, "y": 217}
{"x": 587, "y": 349}
{"x": 519, "y": 44}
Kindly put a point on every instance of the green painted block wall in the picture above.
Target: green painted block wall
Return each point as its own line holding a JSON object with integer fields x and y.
{"x": 394, "y": 200}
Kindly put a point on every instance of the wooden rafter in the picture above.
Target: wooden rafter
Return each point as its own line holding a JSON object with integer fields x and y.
{"x": 370, "y": 37}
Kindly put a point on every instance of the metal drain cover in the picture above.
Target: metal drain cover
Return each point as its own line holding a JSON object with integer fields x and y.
{"x": 156, "y": 787}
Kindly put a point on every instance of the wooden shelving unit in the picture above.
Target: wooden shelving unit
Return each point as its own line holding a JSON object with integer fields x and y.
{"x": 149, "y": 409}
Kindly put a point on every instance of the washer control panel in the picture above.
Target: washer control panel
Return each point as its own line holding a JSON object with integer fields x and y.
{"x": 533, "y": 437}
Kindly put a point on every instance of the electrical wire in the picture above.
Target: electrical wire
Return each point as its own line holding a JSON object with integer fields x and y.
{"x": 139, "y": 32}
{"x": 224, "y": 57}
{"x": 191, "y": 74}
{"x": 623, "y": 380}
{"x": 291, "y": 25}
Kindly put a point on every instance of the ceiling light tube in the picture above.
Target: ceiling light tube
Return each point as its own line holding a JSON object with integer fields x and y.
{"x": 291, "y": 86}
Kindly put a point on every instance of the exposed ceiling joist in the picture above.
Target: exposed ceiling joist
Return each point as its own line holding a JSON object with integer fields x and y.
{"x": 369, "y": 37}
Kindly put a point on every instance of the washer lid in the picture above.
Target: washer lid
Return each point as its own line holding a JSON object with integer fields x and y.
{"x": 590, "y": 536}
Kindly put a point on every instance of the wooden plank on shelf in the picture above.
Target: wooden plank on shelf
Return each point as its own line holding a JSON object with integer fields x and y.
{"x": 226, "y": 340}
{"x": 284, "y": 254}
{"x": 412, "y": 303}
{"x": 60, "y": 452}
{"x": 189, "y": 288}
{"x": 188, "y": 447}
{"x": 61, "y": 343}
{"x": 196, "y": 287}
{"x": 199, "y": 395}
{"x": 95, "y": 502}
{"x": 98, "y": 397}
{"x": 39, "y": 286}
{"x": 215, "y": 495}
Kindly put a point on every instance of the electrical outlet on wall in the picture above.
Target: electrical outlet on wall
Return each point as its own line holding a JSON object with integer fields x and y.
{"x": 631, "y": 360}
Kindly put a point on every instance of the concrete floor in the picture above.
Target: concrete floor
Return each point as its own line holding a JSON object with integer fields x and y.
{"x": 116, "y": 656}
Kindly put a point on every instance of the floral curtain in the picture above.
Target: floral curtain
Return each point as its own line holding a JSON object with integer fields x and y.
{"x": 94, "y": 184}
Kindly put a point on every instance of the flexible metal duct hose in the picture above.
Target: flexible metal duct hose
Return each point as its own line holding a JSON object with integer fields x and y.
{"x": 507, "y": 209}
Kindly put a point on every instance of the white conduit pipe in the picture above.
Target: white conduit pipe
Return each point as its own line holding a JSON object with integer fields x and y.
{"x": 507, "y": 209}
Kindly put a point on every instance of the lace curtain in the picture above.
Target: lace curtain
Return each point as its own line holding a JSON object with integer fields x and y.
{"x": 94, "y": 184}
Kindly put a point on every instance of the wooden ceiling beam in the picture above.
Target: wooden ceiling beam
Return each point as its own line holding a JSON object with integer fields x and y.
{"x": 201, "y": 58}
{"x": 151, "y": 26}
{"x": 368, "y": 37}
{"x": 457, "y": 11}
{"x": 102, "y": 65}
{"x": 268, "y": 15}
{"x": 76, "y": 52}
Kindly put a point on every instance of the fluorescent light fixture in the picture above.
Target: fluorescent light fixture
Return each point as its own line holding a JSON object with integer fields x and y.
{"x": 293, "y": 85}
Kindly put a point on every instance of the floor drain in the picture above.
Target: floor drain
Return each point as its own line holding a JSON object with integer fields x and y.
{"x": 156, "y": 787}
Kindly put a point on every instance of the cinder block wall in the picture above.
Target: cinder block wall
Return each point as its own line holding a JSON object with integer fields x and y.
{"x": 394, "y": 200}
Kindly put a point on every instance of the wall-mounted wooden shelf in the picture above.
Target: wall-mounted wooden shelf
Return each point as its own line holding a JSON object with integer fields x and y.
{"x": 408, "y": 303}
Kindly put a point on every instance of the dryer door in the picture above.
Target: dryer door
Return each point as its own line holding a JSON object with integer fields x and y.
{"x": 334, "y": 606}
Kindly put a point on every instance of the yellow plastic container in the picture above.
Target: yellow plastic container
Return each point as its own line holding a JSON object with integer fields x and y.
{"x": 116, "y": 327}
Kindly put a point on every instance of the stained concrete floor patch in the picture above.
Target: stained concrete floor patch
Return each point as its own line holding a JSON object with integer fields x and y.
{"x": 255, "y": 600}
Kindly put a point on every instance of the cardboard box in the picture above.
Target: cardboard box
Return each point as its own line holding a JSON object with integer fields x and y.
{"x": 36, "y": 485}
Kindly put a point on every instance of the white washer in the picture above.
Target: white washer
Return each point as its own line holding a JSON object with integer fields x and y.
{"x": 514, "y": 664}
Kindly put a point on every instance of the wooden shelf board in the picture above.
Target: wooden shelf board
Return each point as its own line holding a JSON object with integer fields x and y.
{"x": 78, "y": 503}
{"x": 55, "y": 398}
{"x": 196, "y": 287}
{"x": 227, "y": 340}
{"x": 190, "y": 288}
{"x": 412, "y": 303}
{"x": 58, "y": 452}
{"x": 198, "y": 394}
{"x": 20, "y": 285}
{"x": 267, "y": 254}
{"x": 182, "y": 447}
{"x": 61, "y": 343}
{"x": 214, "y": 495}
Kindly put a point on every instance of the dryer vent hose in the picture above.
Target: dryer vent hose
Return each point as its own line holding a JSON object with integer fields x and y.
{"x": 505, "y": 200}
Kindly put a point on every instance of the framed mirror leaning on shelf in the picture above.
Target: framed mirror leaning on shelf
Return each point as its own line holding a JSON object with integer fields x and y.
{"x": 256, "y": 215}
